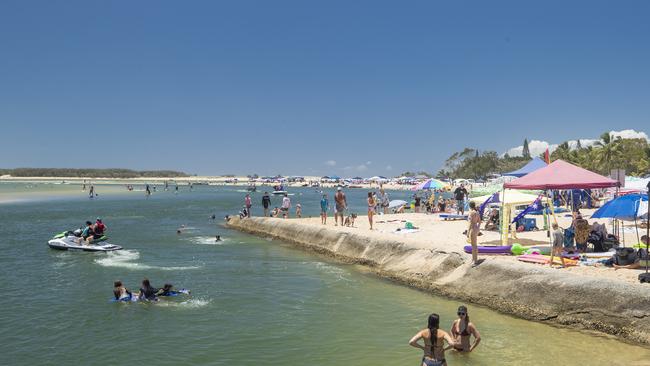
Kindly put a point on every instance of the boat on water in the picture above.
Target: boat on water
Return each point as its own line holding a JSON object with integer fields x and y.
{"x": 69, "y": 241}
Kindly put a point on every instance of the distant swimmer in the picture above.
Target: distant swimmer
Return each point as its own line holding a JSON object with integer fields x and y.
{"x": 217, "y": 238}
{"x": 148, "y": 292}
{"x": 154, "y": 188}
{"x": 176, "y": 189}
{"x": 120, "y": 292}
{"x": 213, "y": 217}
{"x": 462, "y": 329}
{"x": 166, "y": 185}
{"x": 434, "y": 342}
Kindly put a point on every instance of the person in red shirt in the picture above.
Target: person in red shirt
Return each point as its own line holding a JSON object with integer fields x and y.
{"x": 99, "y": 228}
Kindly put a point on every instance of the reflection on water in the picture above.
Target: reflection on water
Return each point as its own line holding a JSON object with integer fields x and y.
{"x": 253, "y": 300}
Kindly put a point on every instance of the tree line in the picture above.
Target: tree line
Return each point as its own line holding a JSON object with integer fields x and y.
{"x": 608, "y": 153}
{"x": 90, "y": 173}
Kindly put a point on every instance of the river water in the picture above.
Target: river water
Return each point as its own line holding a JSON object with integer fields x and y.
{"x": 254, "y": 300}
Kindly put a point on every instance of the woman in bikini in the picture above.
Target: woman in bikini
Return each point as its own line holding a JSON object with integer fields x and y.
{"x": 434, "y": 342}
{"x": 371, "y": 207}
{"x": 462, "y": 330}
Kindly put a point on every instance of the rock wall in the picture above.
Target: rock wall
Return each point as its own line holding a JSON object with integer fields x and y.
{"x": 530, "y": 292}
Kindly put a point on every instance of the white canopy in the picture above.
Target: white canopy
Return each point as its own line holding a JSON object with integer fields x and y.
{"x": 512, "y": 197}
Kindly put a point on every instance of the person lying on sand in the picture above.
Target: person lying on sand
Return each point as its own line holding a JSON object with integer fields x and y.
{"x": 642, "y": 260}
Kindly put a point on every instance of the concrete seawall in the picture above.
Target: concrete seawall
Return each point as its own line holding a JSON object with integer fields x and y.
{"x": 528, "y": 291}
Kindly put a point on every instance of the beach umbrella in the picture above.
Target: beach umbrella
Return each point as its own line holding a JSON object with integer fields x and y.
{"x": 396, "y": 203}
{"x": 429, "y": 184}
{"x": 627, "y": 207}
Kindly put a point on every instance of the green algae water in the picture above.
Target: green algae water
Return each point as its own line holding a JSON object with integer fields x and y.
{"x": 254, "y": 300}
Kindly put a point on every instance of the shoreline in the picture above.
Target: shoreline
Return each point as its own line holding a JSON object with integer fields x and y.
{"x": 533, "y": 292}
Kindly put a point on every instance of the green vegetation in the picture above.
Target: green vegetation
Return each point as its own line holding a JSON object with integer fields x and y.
{"x": 90, "y": 173}
{"x": 633, "y": 155}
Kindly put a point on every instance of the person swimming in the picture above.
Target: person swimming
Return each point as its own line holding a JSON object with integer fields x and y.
{"x": 166, "y": 290}
{"x": 120, "y": 292}
{"x": 147, "y": 292}
{"x": 434, "y": 338}
{"x": 462, "y": 329}
{"x": 217, "y": 238}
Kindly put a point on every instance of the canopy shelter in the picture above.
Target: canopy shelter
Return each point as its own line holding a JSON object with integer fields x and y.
{"x": 561, "y": 175}
{"x": 530, "y": 167}
{"x": 511, "y": 197}
{"x": 628, "y": 207}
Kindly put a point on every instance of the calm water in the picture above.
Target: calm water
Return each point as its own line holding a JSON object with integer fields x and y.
{"x": 254, "y": 301}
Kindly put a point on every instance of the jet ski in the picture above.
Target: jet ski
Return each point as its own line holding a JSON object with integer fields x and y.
{"x": 70, "y": 240}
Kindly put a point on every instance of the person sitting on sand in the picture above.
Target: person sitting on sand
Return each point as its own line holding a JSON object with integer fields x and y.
{"x": 492, "y": 222}
{"x": 642, "y": 259}
{"x": 462, "y": 330}
{"x": 120, "y": 292}
{"x": 434, "y": 342}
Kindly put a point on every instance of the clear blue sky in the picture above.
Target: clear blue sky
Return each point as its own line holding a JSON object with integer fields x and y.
{"x": 215, "y": 87}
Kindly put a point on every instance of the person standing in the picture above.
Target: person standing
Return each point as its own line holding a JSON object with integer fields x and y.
{"x": 385, "y": 201}
{"x": 324, "y": 206}
{"x": 472, "y": 231}
{"x": 434, "y": 342}
{"x": 147, "y": 190}
{"x": 460, "y": 194}
{"x": 558, "y": 244}
{"x": 417, "y": 203}
{"x": 341, "y": 205}
{"x": 266, "y": 203}
{"x": 91, "y": 193}
{"x": 371, "y": 207}
{"x": 286, "y": 205}
{"x": 248, "y": 204}
{"x": 462, "y": 329}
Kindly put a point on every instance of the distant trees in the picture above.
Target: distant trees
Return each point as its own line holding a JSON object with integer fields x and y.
{"x": 90, "y": 173}
{"x": 609, "y": 153}
{"x": 525, "y": 152}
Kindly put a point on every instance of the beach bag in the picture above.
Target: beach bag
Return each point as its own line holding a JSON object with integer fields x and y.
{"x": 644, "y": 277}
{"x": 625, "y": 256}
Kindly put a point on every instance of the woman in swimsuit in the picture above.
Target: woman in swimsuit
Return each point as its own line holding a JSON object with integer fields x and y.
{"x": 462, "y": 330}
{"x": 434, "y": 339}
{"x": 371, "y": 207}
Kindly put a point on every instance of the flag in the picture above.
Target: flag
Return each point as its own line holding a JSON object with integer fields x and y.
{"x": 492, "y": 199}
{"x": 547, "y": 156}
{"x": 536, "y": 205}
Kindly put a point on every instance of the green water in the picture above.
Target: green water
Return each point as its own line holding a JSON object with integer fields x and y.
{"x": 254, "y": 301}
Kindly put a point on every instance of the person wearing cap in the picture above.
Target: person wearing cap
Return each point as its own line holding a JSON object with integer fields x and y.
{"x": 461, "y": 331}
{"x": 341, "y": 205}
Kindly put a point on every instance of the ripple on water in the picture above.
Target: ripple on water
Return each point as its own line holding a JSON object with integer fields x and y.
{"x": 126, "y": 258}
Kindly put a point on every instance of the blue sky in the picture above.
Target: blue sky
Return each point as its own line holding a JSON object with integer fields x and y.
{"x": 215, "y": 87}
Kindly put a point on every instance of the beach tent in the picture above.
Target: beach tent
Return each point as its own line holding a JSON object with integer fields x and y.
{"x": 511, "y": 197}
{"x": 561, "y": 175}
{"x": 530, "y": 167}
{"x": 627, "y": 207}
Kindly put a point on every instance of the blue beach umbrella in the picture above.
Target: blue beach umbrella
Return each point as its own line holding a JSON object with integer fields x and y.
{"x": 622, "y": 208}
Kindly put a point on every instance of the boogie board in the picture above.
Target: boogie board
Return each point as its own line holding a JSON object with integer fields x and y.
{"x": 504, "y": 249}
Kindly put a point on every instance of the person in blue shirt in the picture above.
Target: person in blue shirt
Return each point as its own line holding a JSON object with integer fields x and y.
{"x": 324, "y": 206}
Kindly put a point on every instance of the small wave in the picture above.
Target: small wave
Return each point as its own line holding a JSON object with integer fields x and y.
{"x": 207, "y": 240}
{"x": 124, "y": 258}
{"x": 187, "y": 304}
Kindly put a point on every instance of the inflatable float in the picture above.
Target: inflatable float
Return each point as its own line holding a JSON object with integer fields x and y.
{"x": 504, "y": 249}
{"x": 545, "y": 259}
{"x": 135, "y": 298}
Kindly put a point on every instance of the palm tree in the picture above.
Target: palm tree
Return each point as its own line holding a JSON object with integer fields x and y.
{"x": 607, "y": 151}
